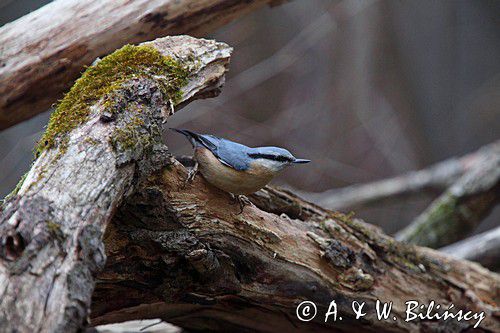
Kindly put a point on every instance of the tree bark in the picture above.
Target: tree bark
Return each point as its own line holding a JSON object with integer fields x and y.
{"x": 42, "y": 53}
{"x": 51, "y": 230}
{"x": 458, "y": 211}
{"x": 183, "y": 253}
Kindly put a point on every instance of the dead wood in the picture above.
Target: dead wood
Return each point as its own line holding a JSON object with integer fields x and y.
{"x": 459, "y": 210}
{"x": 51, "y": 230}
{"x": 183, "y": 253}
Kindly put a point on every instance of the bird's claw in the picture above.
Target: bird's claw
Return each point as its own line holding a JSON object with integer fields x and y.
{"x": 191, "y": 174}
{"x": 242, "y": 201}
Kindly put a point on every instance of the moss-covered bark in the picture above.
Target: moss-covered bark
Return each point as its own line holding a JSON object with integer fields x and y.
{"x": 100, "y": 82}
{"x": 57, "y": 44}
{"x": 104, "y": 137}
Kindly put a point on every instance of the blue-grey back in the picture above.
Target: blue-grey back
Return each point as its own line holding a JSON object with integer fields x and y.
{"x": 228, "y": 152}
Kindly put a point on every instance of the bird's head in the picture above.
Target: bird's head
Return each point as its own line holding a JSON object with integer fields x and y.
{"x": 274, "y": 158}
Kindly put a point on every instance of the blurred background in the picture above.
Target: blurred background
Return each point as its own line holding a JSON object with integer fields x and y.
{"x": 365, "y": 89}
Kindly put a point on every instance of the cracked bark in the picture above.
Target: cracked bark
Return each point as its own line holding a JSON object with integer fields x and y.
{"x": 51, "y": 231}
{"x": 184, "y": 254}
{"x": 42, "y": 53}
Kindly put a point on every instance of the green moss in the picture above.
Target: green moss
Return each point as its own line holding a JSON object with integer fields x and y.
{"x": 394, "y": 252}
{"x": 349, "y": 220}
{"x": 104, "y": 78}
{"x": 127, "y": 137}
{"x": 441, "y": 224}
{"x": 346, "y": 218}
{"x": 53, "y": 227}
{"x": 90, "y": 141}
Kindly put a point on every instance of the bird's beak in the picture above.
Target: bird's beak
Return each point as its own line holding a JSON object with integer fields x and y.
{"x": 301, "y": 161}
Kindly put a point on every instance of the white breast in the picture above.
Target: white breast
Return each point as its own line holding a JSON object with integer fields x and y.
{"x": 229, "y": 179}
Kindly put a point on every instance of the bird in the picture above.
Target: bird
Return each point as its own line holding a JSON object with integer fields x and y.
{"x": 234, "y": 167}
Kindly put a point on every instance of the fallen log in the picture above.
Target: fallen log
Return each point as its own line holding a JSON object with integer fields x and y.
{"x": 184, "y": 254}
{"x": 103, "y": 185}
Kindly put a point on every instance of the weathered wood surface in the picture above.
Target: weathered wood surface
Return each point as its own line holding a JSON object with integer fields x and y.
{"x": 51, "y": 231}
{"x": 42, "y": 53}
{"x": 183, "y": 253}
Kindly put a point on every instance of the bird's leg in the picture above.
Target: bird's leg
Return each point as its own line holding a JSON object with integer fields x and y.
{"x": 243, "y": 201}
{"x": 192, "y": 173}
{"x": 233, "y": 198}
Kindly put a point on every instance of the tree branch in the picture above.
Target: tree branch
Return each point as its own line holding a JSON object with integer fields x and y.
{"x": 42, "y": 53}
{"x": 458, "y": 211}
{"x": 435, "y": 178}
{"x": 51, "y": 231}
{"x": 182, "y": 253}
{"x": 483, "y": 248}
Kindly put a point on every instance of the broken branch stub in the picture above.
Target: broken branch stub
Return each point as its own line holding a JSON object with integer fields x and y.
{"x": 102, "y": 139}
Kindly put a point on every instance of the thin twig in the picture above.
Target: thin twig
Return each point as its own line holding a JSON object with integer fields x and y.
{"x": 483, "y": 248}
{"x": 151, "y": 325}
{"x": 438, "y": 177}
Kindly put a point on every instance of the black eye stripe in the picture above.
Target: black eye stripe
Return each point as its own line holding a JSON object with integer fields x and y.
{"x": 271, "y": 157}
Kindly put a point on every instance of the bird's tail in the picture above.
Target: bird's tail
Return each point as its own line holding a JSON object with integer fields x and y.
{"x": 193, "y": 137}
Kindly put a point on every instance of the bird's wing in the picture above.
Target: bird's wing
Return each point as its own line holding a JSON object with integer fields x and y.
{"x": 230, "y": 153}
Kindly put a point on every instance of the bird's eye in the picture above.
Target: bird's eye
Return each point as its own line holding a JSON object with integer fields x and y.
{"x": 281, "y": 158}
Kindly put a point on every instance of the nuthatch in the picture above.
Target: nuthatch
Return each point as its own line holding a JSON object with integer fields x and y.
{"x": 236, "y": 168}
